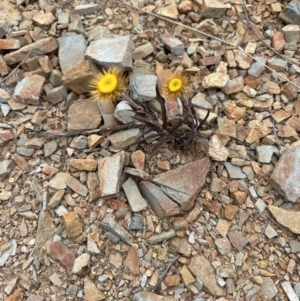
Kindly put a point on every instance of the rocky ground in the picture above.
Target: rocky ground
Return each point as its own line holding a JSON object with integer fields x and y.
{"x": 85, "y": 217}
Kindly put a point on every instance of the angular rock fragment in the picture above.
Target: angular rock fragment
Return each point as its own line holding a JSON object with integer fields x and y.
{"x": 79, "y": 77}
{"x": 110, "y": 225}
{"x": 39, "y": 47}
{"x": 134, "y": 197}
{"x": 287, "y": 218}
{"x": 93, "y": 186}
{"x": 29, "y": 89}
{"x": 6, "y": 167}
{"x": 132, "y": 261}
{"x": 111, "y": 51}
{"x": 213, "y": 9}
{"x": 181, "y": 246}
{"x": 172, "y": 43}
{"x": 71, "y": 51}
{"x": 58, "y": 182}
{"x": 268, "y": 287}
{"x": 237, "y": 239}
{"x": 84, "y": 115}
{"x": 216, "y": 150}
{"x": 84, "y": 164}
{"x": 125, "y": 138}
{"x": 154, "y": 239}
{"x": 91, "y": 292}
{"x": 43, "y": 19}
{"x": 286, "y": 174}
{"x": 81, "y": 264}
{"x": 161, "y": 204}
{"x": 110, "y": 172}
{"x": 202, "y": 269}
{"x": 184, "y": 192}
{"x": 234, "y": 85}
{"x": 73, "y": 224}
{"x": 45, "y": 232}
{"x": 291, "y": 13}
{"x": 75, "y": 185}
{"x": 144, "y": 86}
{"x": 63, "y": 254}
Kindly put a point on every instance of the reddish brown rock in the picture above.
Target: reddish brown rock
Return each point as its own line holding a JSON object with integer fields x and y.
{"x": 172, "y": 280}
{"x": 138, "y": 159}
{"x": 117, "y": 204}
{"x": 184, "y": 192}
{"x": 9, "y": 44}
{"x": 60, "y": 252}
{"x": 132, "y": 261}
{"x": 278, "y": 41}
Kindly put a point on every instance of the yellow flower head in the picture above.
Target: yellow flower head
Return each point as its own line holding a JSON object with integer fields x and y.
{"x": 175, "y": 86}
{"x": 109, "y": 85}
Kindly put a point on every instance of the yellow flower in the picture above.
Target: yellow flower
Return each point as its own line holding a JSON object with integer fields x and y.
{"x": 175, "y": 86}
{"x": 109, "y": 85}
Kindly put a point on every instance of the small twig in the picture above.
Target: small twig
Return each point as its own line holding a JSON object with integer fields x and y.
{"x": 209, "y": 36}
{"x": 167, "y": 268}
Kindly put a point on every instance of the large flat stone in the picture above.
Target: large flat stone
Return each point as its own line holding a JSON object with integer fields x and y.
{"x": 291, "y": 13}
{"x": 286, "y": 174}
{"x": 146, "y": 296}
{"x": 111, "y": 51}
{"x": 84, "y": 115}
{"x": 184, "y": 192}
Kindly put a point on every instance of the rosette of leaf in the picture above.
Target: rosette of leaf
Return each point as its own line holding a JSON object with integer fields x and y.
{"x": 107, "y": 87}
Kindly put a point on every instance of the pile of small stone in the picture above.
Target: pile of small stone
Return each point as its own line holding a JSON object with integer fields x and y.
{"x": 83, "y": 219}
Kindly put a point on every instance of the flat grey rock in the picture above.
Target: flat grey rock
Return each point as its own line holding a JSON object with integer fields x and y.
{"x": 234, "y": 171}
{"x": 5, "y": 168}
{"x": 264, "y": 153}
{"x": 71, "y": 51}
{"x": 144, "y": 86}
{"x": 291, "y": 13}
{"x": 154, "y": 239}
{"x": 110, "y": 225}
{"x": 111, "y": 51}
{"x": 125, "y": 138}
{"x": 289, "y": 291}
{"x": 268, "y": 287}
{"x": 161, "y": 204}
{"x": 256, "y": 68}
{"x": 134, "y": 197}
